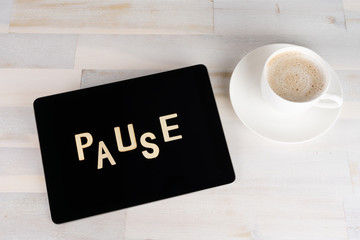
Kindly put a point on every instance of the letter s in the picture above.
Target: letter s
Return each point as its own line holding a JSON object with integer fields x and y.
{"x": 146, "y": 144}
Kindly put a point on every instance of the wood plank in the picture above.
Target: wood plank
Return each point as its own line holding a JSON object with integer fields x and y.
{"x": 354, "y": 169}
{"x": 296, "y": 171}
{"x": 93, "y": 77}
{"x": 37, "y": 50}
{"x": 352, "y": 16}
{"x": 20, "y": 162}
{"x": 351, "y": 85}
{"x": 21, "y": 170}
{"x": 18, "y": 128}
{"x": 217, "y": 52}
{"x": 116, "y": 16}
{"x": 27, "y": 216}
{"x": 5, "y": 10}
{"x": 20, "y": 87}
{"x": 352, "y": 214}
{"x": 215, "y": 215}
{"x": 23, "y": 183}
{"x": 278, "y": 17}
{"x": 351, "y": 203}
{"x": 160, "y": 52}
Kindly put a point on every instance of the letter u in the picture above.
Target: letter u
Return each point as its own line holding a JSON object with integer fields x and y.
{"x": 119, "y": 141}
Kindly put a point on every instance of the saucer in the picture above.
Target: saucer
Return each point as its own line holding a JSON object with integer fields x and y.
{"x": 261, "y": 118}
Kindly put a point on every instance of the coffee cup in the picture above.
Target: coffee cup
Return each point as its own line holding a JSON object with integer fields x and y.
{"x": 295, "y": 79}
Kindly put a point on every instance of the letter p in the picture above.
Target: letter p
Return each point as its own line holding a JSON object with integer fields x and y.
{"x": 80, "y": 147}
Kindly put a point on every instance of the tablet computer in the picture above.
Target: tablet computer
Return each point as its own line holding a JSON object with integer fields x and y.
{"x": 131, "y": 142}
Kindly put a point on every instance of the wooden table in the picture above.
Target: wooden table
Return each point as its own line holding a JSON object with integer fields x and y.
{"x": 299, "y": 191}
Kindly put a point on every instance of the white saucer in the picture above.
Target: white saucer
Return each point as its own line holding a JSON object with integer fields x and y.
{"x": 261, "y": 118}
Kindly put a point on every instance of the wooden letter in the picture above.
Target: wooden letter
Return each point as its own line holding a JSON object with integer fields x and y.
{"x": 119, "y": 141}
{"x": 102, "y": 155}
{"x": 154, "y": 147}
{"x": 165, "y": 128}
{"x": 79, "y": 146}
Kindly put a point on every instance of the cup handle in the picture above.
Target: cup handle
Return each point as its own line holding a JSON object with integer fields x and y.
{"x": 329, "y": 100}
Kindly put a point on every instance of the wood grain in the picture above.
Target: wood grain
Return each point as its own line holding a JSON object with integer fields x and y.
{"x": 27, "y": 216}
{"x": 217, "y": 52}
{"x": 214, "y": 214}
{"x": 20, "y": 87}
{"x": 160, "y": 16}
{"x": 301, "y": 191}
{"x": 5, "y": 11}
{"x": 354, "y": 170}
{"x": 20, "y": 162}
{"x": 92, "y": 77}
{"x": 351, "y": 84}
{"x": 18, "y": 128}
{"x": 352, "y": 213}
{"x": 352, "y": 16}
{"x": 278, "y": 17}
{"x": 17, "y": 93}
{"x": 23, "y": 184}
{"x": 37, "y": 51}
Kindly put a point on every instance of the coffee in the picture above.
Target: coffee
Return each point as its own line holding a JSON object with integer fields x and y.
{"x": 295, "y": 77}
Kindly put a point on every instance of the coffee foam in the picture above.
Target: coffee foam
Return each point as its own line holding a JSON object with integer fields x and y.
{"x": 295, "y": 77}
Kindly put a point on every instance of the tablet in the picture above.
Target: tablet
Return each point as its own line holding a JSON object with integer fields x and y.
{"x": 131, "y": 142}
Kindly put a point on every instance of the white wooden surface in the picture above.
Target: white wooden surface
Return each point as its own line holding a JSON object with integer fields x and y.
{"x": 115, "y": 16}
{"x": 301, "y": 191}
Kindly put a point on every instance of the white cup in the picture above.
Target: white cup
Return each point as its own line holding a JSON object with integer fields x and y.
{"x": 323, "y": 98}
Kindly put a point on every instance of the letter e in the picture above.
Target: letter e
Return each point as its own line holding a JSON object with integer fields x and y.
{"x": 165, "y": 128}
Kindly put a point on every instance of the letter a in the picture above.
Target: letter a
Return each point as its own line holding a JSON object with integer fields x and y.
{"x": 102, "y": 155}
